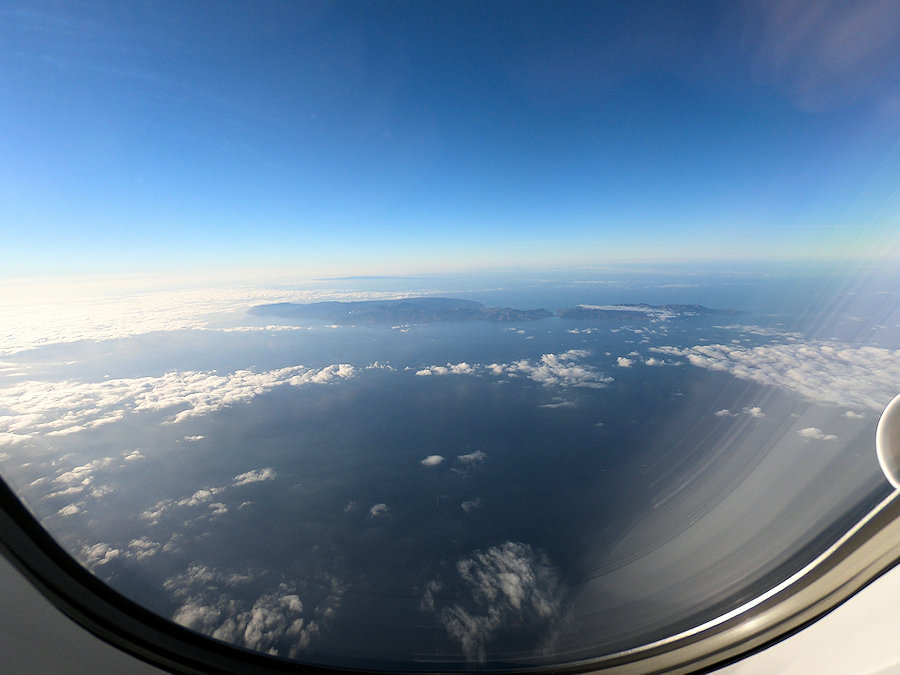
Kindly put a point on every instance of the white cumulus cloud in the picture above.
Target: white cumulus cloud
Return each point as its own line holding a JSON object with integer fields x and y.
{"x": 65, "y": 407}
{"x": 816, "y": 434}
{"x": 432, "y": 460}
{"x": 277, "y": 622}
{"x": 379, "y": 511}
{"x": 255, "y": 476}
{"x": 504, "y": 586}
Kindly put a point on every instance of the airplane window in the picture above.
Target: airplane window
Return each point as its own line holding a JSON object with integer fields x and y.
{"x": 451, "y": 337}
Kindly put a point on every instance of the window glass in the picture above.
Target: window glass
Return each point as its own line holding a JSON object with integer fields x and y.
{"x": 477, "y": 335}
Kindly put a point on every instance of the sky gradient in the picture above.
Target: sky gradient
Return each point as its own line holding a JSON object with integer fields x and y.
{"x": 378, "y": 138}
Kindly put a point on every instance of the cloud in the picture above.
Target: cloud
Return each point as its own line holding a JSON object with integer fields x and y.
{"x": 103, "y": 312}
{"x": 558, "y": 404}
{"x": 143, "y": 548}
{"x": 550, "y": 370}
{"x": 277, "y": 622}
{"x": 725, "y": 412}
{"x": 205, "y": 495}
{"x": 850, "y": 414}
{"x": 200, "y": 496}
{"x": 95, "y": 555}
{"x": 820, "y": 54}
{"x": 816, "y": 434}
{"x": 379, "y": 511}
{"x": 471, "y": 505}
{"x": 255, "y": 476}
{"x": 65, "y": 407}
{"x": 83, "y": 474}
{"x": 559, "y": 370}
{"x": 823, "y": 371}
{"x": 624, "y": 362}
{"x": 755, "y": 411}
{"x": 450, "y": 369}
{"x": 501, "y": 588}
{"x": 472, "y": 458}
{"x": 432, "y": 460}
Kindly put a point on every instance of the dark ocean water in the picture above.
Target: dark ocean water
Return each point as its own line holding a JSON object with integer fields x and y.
{"x": 565, "y": 519}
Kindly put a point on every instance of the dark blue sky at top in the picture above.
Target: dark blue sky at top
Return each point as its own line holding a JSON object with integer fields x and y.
{"x": 368, "y": 137}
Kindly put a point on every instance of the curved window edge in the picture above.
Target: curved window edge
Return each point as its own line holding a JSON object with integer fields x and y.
{"x": 865, "y": 552}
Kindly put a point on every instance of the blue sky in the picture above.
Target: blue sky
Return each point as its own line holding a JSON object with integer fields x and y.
{"x": 387, "y": 137}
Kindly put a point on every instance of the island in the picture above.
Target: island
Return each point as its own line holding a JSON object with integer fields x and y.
{"x": 430, "y": 310}
{"x": 403, "y": 311}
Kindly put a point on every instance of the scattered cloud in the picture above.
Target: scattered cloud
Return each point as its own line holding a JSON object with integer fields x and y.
{"x": 450, "y": 369}
{"x": 472, "y": 458}
{"x": 277, "y": 622}
{"x": 379, "y": 511}
{"x": 205, "y": 495}
{"x": 144, "y": 548}
{"x": 550, "y": 370}
{"x": 725, "y": 412}
{"x": 624, "y": 362}
{"x": 503, "y": 587}
{"x": 471, "y": 505}
{"x": 816, "y": 434}
{"x": 558, "y": 370}
{"x": 853, "y": 415}
{"x": 255, "y": 476}
{"x": 69, "y": 510}
{"x": 558, "y": 404}
{"x": 823, "y": 371}
{"x": 432, "y": 460}
{"x": 94, "y": 555}
{"x": 65, "y": 407}
{"x": 755, "y": 411}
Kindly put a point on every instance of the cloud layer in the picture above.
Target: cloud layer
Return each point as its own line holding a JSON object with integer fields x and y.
{"x": 824, "y": 371}
{"x": 59, "y": 408}
{"x": 44, "y": 314}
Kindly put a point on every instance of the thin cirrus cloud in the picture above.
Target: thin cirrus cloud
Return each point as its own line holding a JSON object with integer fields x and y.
{"x": 812, "y": 51}
{"x": 823, "y": 371}
{"x": 66, "y": 407}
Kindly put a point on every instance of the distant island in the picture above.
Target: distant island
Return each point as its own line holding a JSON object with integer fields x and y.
{"x": 407, "y": 310}
{"x": 428, "y": 310}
